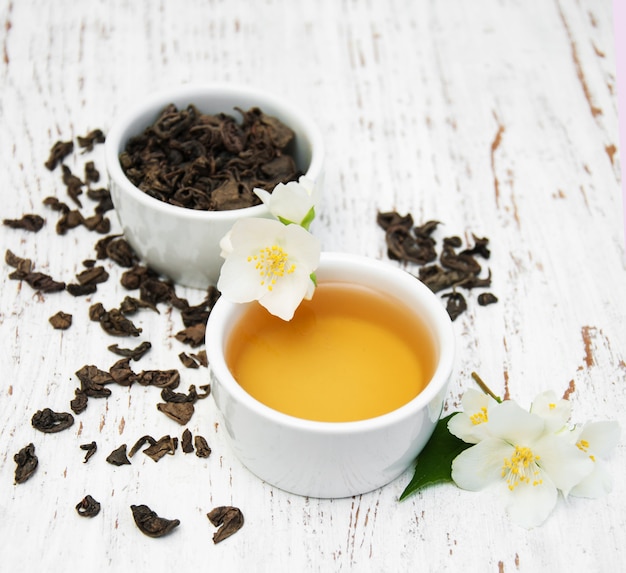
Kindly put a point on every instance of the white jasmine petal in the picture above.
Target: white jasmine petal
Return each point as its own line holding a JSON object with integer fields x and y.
{"x": 512, "y": 423}
{"x": 269, "y": 262}
{"x": 563, "y": 461}
{"x": 597, "y": 440}
{"x": 530, "y": 507}
{"x": 292, "y": 202}
{"x": 472, "y": 425}
{"x": 556, "y": 412}
{"x": 481, "y": 465}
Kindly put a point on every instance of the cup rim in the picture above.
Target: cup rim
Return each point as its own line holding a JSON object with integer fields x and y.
{"x": 224, "y": 310}
{"x": 117, "y": 136}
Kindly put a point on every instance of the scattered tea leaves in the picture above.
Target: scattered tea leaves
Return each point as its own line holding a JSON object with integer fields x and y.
{"x": 451, "y": 269}
{"x": 51, "y": 422}
{"x": 150, "y": 524}
{"x": 228, "y": 519}
{"x": 88, "y": 507}
{"x": 27, "y": 463}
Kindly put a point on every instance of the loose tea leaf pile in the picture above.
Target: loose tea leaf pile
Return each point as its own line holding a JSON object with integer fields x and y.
{"x": 210, "y": 162}
{"x": 451, "y": 268}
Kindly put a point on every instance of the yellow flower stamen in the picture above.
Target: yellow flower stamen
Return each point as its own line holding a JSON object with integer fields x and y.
{"x": 583, "y": 446}
{"x": 272, "y": 264}
{"x": 552, "y": 406}
{"x": 479, "y": 417}
{"x": 521, "y": 468}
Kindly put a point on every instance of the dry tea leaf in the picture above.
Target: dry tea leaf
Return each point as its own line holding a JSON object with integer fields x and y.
{"x": 88, "y": 141}
{"x": 81, "y": 290}
{"x": 150, "y": 524}
{"x": 229, "y": 520}
{"x": 164, "y": 446}
{"x": 93, "y": 381}
{"x": 118, "y": 456}
{"x": 188, "y": 361}
{"x": 88, "y": 507}
{"x": 134, "y": 353}
{"x": 131, "y": 305}
{"x": 28, "y": 222}
{"x": 60, "y": 150}
{"x": 192, "y": 335}
{"x": 79, "y": 403}
{"x": 115, "y": 323}
{"x": 201, "y": 358}
{"x": 61, "y": 320}
{"x": 27, "y": 463}
{"x": 180, "y": 412}
{"x": 159, "y": 378}
{"x": 122, "y": 373}
{"x": 178, "y": 397}
{"x": 90, "y": 449}
{"x": 140, "y": 443}
{"x": 92, "y": 276}
{"x": 186, "y": 444}
{"x": 22, "y": 266}
{"x": 202, "y": 447}
{"x": 456, "y": 304}
{"x": 51, "y": 422}
{"x": 486, "y": 298}
{"x": 92, "y": 175}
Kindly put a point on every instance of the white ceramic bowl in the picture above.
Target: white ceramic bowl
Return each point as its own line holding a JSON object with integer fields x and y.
{"x": 181, "y": 243}
{"x": 330, "y": 459}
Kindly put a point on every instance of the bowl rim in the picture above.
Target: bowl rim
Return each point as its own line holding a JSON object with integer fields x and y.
{"x": 224, "y": 310}
{"x": 152, "y": 104}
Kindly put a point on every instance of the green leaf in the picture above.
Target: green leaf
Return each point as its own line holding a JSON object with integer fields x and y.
{"x": 308, "y": 218}
{"x": 434, "y": 464}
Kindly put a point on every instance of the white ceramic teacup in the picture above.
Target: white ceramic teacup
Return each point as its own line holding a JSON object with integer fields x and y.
{"x": 330, "y": 459}
{"x": 181, "y": 243}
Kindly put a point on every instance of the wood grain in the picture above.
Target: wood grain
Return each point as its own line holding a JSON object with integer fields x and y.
{"x": 498, "y": 119}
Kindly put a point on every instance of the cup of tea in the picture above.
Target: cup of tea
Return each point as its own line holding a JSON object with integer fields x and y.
{"x": 176, "y": 240}
{"x": 341, "y": 399}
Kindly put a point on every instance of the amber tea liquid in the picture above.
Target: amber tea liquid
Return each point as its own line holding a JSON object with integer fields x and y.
{"x": 350, "y": 353}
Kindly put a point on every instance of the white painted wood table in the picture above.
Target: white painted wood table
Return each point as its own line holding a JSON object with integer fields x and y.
{"x": 497, "y": 118}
